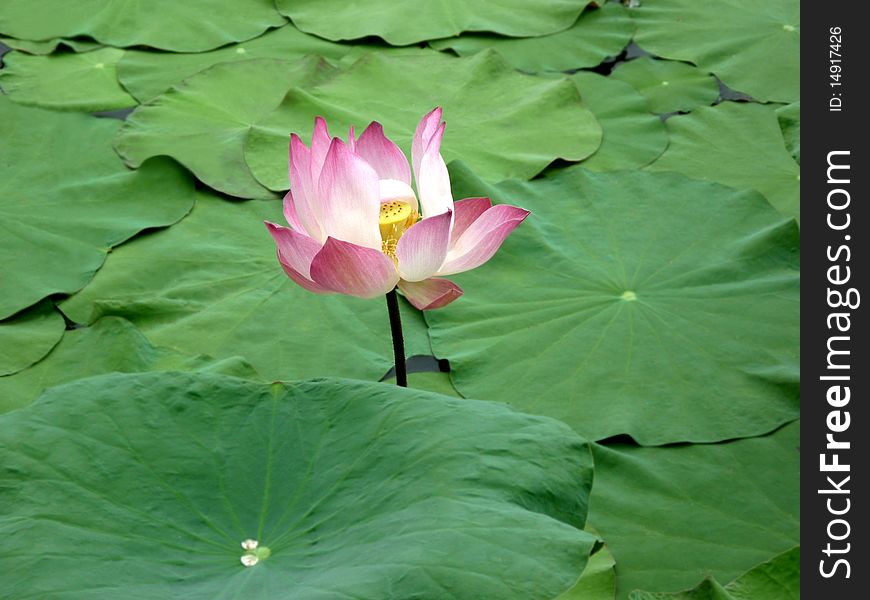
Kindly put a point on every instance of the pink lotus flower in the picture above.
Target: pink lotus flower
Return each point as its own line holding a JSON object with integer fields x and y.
{"x": 355, "y": 225}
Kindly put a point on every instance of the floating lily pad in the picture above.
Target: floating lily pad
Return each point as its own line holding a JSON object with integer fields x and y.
{"x": 188, "y": 26}
{"x": 633, "y": 136}
{"x": 789, "y": 118}
{"x": 85, "y": 81}
{"x": 111, "y": 345}
{"x": 148, "y": 74}
{"x": 754, "y": 47}
{"x": 213, "y": 285}
{"x": 150, "y": 484}
{"x": 503, "y": 123}
{"x": 672, "y": 516}
{"x": 403, "y": 22}
{"x": 357, "y": 50}
{"x": 632, "y": 303}
{"x": 597, "y": 35}
{"x": 738, "y": 145}
{"x": 668, "y": 86}
{"x": 598, "y": 581}
{"x": 66, "y": 199}
{"x": 27, "y": 337}
{"x": 202, "y": 123}
{"x": 776, "y": 579}
{"x": 49, "y": 46}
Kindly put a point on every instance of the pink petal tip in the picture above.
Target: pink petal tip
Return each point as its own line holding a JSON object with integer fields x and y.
{"x": 431, "y": 293}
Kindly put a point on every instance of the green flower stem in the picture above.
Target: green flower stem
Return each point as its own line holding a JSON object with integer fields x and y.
{"x": 398, "y": 341}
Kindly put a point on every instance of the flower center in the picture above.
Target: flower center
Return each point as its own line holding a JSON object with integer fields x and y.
{"x": 396, "y": 217}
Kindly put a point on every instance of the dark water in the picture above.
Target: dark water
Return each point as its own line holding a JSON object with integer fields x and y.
{"x": 421, "y": 364}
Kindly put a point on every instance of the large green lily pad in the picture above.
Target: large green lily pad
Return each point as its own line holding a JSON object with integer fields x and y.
{"x": 111, "y": 345}
{"x": 85, "y": 81}
{"x": 748, "y": 152}
{"x": 633, "y": 136}
{"x": 754, "y": 47}
{"x": 66, "y": 199}
{"x": 213, "y": 285}
{"x": 597, "y": 35}
{"x": 669, "y": 86}
{"x": 673, "y": 516}
{"x": 188, "y": 26}
{"x": 502, "y": 123}
{"x": 148, "y": 74}
{"x": 776, "y": 579}
{"x": 27, "y": 337}
{"x": 632, "y": 303}
{"x": 202, "y": 123}
{"x": 403, "y": 22}
{"x": 150, "y": 483}
{"x": 789, "y": 118}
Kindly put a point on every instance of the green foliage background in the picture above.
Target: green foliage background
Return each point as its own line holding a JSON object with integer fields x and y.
{"x": 620, "y": 416}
